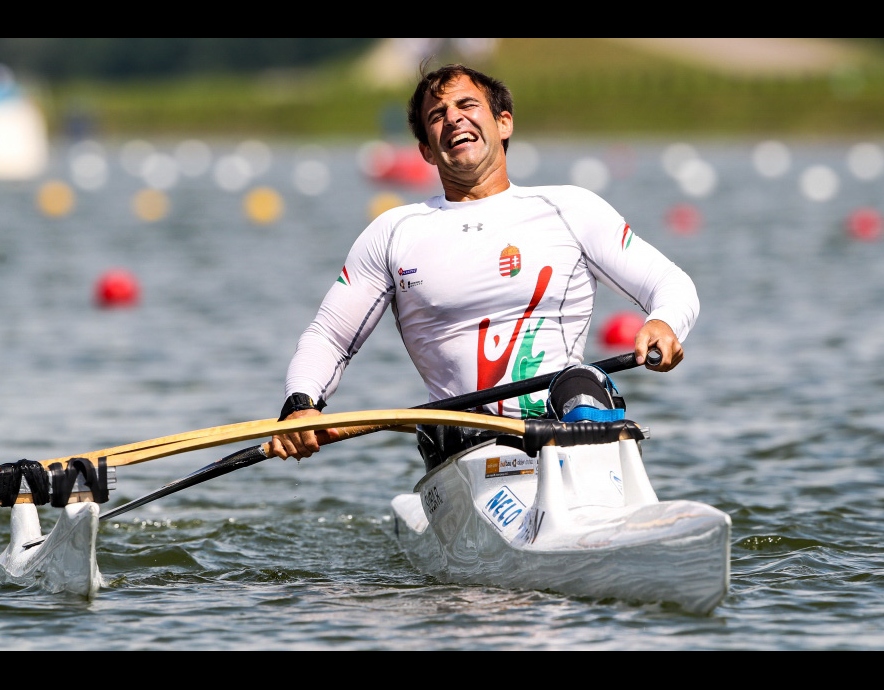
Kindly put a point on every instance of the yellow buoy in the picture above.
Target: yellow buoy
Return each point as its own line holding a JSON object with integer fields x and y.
{"x": 55, "y": 198}
{"x": 384, "y": 202}
{"x": 150, "y": 205}
{"x": 263, "y": 205}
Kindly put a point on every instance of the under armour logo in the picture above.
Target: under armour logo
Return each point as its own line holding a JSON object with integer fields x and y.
{"x": 475, "y": 227}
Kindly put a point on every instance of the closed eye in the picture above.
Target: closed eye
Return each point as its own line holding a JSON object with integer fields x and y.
{"x": 464, "y": 104}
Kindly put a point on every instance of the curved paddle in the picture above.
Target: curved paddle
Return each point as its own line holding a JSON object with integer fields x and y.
{"x": 256, "y": 454}
{"x": 164, "y": 446}
{"x": 363, "y": 422}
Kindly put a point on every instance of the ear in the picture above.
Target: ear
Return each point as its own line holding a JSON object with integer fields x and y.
{"x": 427, "y": 153}
{"x": 505, "y": 125}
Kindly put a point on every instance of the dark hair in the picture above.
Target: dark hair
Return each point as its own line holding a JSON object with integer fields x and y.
{"x": 499, "y": 97}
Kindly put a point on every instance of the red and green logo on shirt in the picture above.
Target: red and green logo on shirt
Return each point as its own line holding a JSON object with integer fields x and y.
{"x": 510, "y": 262}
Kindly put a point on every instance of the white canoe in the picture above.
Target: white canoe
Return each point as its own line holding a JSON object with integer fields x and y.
{"x": 62, "y": 561}
{"x": 581, "y": 520}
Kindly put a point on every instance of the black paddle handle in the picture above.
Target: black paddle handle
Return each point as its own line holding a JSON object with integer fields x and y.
{"x": 532, "y": 385}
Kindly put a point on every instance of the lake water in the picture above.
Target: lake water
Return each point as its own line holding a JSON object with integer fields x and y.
{"x": 775, "y": 416}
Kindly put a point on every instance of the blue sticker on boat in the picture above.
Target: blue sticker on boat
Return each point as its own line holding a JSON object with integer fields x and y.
{"x": 530, "y": 527}
{"x": 503, "y": 507}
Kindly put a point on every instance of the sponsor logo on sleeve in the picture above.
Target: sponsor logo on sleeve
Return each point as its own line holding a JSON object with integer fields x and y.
{"x": 404, "y": 284}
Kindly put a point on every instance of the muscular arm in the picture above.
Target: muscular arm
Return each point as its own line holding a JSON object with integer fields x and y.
{"x": 640, "y": 273}
{"x": 349, "y": 312}
{"x": 345, "y": 319}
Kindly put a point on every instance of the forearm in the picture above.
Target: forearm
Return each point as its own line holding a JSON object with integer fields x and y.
{"x": 317, "y": 365}
{"x": 675, "y": 302}
{"x": 345, "y": 319}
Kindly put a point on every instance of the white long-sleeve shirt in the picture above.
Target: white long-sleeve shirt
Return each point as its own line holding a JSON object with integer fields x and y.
{"x": 487, "y": 292}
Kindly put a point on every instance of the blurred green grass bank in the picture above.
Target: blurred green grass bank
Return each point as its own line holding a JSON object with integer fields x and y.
{"x": 562, "y": 87}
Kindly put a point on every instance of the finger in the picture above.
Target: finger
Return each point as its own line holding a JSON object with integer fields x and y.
{"x": 293, "y": 445}
{"x": 308, "y": 443}
{"x": 326, "y": 436}
{"x": 281, "y": 447}
{"x": 641, "y": 349}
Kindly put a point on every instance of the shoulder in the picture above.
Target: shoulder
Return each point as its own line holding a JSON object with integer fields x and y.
{"x": 569, "y": 199}
{"x": 564, "y": 192}
{"x": 393, "y": 216}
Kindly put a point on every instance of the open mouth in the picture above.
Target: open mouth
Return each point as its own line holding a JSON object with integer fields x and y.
{"x": 462, "y": 138}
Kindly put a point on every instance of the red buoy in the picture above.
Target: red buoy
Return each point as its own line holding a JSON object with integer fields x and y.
{"x": 117, "y": 288}
{"x": 684, "y": 219}
{"x": 404, "y": 166}
{"x": 620, "y": 329}
{"x": 410, "y": 168}
{"x": 865, "y": 224}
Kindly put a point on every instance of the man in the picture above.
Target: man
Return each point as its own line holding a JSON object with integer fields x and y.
{"x": 489, "y": 282}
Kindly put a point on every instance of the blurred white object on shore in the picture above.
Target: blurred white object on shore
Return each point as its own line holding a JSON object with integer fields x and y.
{"x": 24, "y": 142}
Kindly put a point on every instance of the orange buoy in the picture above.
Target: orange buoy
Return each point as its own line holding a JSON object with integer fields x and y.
{"x": 620, "y": 329}
{"x": 117, "y": 288}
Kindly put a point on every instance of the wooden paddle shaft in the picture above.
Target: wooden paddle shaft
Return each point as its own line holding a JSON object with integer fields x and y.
{"x": 157, "y": 442}
{"x": 362, "y": 422}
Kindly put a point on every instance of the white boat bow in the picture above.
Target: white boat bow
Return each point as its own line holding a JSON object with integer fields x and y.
{"x": 580, "y": 520}
{"x": 62, "y": 561}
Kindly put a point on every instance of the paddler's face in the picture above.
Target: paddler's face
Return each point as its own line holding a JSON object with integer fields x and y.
{"x": 464, "y": 137}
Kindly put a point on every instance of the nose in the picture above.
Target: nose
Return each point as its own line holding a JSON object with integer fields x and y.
{"x": 452, "y": 116}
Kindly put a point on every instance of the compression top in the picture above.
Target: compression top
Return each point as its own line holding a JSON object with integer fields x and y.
{"x": 488, "y": 292}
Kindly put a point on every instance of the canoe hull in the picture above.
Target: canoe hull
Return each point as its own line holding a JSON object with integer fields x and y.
{"x": 581, "y": 521}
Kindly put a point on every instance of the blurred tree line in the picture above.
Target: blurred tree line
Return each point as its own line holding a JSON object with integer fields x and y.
{"x": 359, "y": 86}
{"x": 121, "y": 59}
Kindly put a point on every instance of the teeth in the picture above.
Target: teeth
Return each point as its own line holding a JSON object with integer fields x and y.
{"x": 461, "y": 138}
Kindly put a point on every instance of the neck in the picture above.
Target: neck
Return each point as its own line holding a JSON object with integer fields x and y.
{"x": 462, "y": 189}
